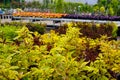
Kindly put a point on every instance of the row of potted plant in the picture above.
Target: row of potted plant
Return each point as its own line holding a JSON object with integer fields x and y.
{"x": 92, "y": 17}
{"x": 39, "y": 14}
{"x": 68, "y": 16}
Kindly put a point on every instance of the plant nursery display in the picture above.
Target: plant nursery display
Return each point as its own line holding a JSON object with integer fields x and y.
{"x": 91, "y": 29}
{"x": 66, "y": 16}
{"x": 8, "y": 30}
{"x": 103, "y": 10}
{"x": 52, "y": 56}
{"x": 92, "y": 17}
{"x": 39, "y": 14}
{"x": 71, "y": 51}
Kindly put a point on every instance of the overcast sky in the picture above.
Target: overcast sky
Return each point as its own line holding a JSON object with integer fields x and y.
{"x": 83, "y": 1}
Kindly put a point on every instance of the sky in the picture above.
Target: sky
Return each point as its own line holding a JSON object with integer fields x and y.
{"x": 84, "y": 1}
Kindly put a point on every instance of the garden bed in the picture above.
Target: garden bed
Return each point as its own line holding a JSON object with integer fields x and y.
{"x": 67, "y": 16}
{"x": 55, "y": 56}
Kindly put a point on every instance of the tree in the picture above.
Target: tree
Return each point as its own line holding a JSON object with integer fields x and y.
{"x": 111, "y": 12}
{"x": 96, "y": 8}
{"x": 60, "y": 6}
{"x": 114, "y": 5}
{"x": 102, "y": 9}
{"x": 45, "y": 3}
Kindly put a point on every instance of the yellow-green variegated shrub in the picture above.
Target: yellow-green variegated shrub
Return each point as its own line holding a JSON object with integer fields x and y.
{"x": 51, "y": 56}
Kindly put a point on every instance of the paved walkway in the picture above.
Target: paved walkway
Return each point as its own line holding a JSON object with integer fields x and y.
{"x": 44, "y": 22}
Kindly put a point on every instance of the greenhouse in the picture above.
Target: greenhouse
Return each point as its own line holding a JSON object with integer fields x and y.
{"x": 59, "y": 40}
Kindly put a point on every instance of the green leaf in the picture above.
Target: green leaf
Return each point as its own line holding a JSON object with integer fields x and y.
{"x": 14, "y": 67}
{"x": 84, "y": 64}
{"x": 89, "y": 69}
{"x": 72, "y": 78}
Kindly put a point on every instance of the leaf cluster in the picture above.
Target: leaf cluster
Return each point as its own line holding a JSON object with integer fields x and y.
{"x": 54, "y": 56}
{"x": 92, "y": 30}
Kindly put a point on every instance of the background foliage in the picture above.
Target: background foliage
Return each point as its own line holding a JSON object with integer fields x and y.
{"x": 103, "y": 7}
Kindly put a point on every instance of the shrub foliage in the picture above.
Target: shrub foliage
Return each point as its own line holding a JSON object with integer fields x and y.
{"x": 54, "y": 56}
